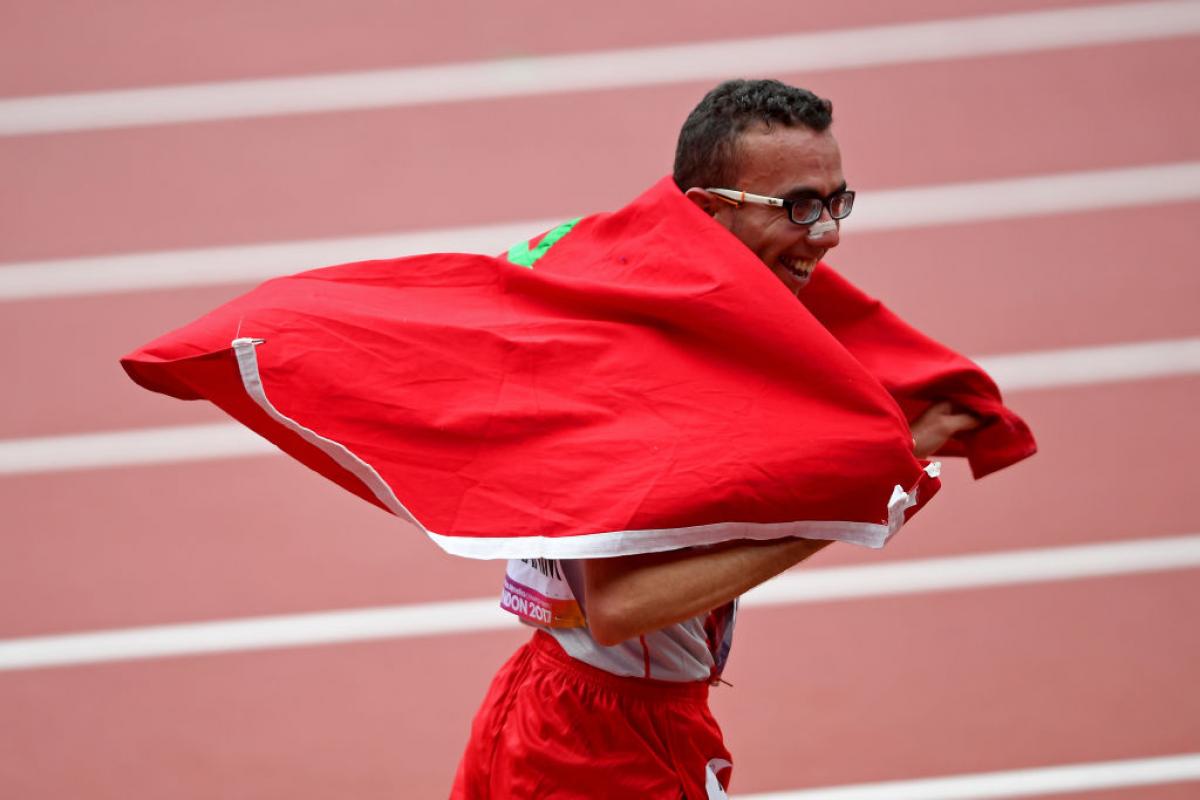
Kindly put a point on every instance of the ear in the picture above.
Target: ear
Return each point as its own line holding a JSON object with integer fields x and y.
{"x": 708, "y": 203}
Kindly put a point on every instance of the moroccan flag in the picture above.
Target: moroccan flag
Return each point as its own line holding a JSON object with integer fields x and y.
{"x": 919, "y": 372}
{"x": 628, "y": 382}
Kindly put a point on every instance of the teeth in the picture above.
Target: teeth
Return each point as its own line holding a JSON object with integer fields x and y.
{"x": 799, "y": 268}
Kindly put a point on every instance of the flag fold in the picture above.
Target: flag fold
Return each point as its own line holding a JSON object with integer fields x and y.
{"x": 628, "y": 382}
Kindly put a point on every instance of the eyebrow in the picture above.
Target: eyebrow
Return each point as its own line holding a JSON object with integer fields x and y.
{"x": 804, "y": 192}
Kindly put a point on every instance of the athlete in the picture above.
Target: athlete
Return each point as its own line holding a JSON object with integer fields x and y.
{"x": 610, "y": 698}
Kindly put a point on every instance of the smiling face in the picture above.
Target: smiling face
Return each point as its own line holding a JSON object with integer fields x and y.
{"x": 788, "y": 162}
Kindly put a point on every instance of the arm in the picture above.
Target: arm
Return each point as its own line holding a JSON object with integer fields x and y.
{"x": 631, "y": 595}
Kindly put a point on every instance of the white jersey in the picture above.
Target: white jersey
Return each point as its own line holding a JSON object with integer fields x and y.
{"x": 550, "y": 594}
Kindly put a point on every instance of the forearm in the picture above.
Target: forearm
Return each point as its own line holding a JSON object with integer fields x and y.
{"x": 629, "y": 596}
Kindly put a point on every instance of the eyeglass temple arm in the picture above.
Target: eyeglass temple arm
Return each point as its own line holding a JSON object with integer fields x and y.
{"x": 721, "y": 195}
{"x": 738, "y": 197}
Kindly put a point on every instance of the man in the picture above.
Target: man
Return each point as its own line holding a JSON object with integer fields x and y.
{"x": 617, "y": 705}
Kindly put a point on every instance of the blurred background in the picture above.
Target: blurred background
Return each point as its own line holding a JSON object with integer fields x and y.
{"x": 1029, "y": 181}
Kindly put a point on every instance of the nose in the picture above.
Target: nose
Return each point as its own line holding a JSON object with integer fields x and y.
{"x": 824, "y": 232}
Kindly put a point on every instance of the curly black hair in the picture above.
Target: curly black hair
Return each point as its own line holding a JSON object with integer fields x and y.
{"x": 706, "y": 154}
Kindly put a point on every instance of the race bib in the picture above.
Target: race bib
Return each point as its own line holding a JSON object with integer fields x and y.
{"x": 536, "y": 591}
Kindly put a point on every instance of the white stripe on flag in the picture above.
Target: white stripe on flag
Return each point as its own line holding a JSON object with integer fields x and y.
{"x": 464, "y": 616}
{"x": 1045, "y": 369}
{"x": 888, "y": 209}
{"x": 1040, "y": 781}
{"x": 575, "y": 72}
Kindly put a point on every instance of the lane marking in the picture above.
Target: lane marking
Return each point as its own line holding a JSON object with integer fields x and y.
{"x": 216, "y": 266}
{"x": 1032, "y": 196}
{"x": 105, "y": 449}
{"x": 1012, "y": 783}
{"x": 484, "y": 614}
{"x": 255, "y": 633}
{"x": 889, "y": 209}
{"x": 1076, "y": 366}
{"x": 575, "y": 72}
{"x": 1043, "y": 369}
{"x": 977, "y": 571}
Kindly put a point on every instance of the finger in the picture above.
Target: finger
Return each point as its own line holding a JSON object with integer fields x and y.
{"x": 961, "y": 422}
{"x": 940, "y": 408}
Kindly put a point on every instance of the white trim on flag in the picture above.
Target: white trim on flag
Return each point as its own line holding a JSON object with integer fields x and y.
{"x": 247, "y": 357}
{"x": 621, "y": 543}
{"x": 587, "y": 545}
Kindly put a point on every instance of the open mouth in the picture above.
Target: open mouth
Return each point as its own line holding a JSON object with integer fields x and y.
{"x": 800, "y": 269}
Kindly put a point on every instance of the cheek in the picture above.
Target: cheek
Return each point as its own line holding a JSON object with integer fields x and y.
{"x": 762, "y": 238}
{"x": 765, "y": 237}
{"x": 777, "y": 239}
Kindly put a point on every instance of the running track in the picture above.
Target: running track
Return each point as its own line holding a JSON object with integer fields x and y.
{"x": 1094, "y": 670}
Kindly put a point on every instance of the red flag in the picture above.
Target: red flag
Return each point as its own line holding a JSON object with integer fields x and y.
{"x": 629, "y": 382}
{"x": 920, "y": 372}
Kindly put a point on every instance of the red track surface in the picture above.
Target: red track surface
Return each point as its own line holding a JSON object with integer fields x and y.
{"x": 141, "y": 42}
{"x": 297, "y": 177}
{"x": 825, "y": 694}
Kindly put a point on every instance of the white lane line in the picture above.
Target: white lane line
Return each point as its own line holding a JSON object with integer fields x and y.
{"x": 255, "y": 633}
{"x": 1040, "y": 781}
{"x": 1045, "y": 369}
{"x": 107, "y": 449}
{"x": 706, "y": 61}
{"x": 1009, "y": 198}
{"x": 889, "y": 209}
{"x": 214, "y": 266}
{"x": 466, "y": 616}
{"x": 1089, "y": 365}
{"x": 977, "y": 571}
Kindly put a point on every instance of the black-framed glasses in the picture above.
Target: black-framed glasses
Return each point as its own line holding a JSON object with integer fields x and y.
{"x": 805, "y": 211}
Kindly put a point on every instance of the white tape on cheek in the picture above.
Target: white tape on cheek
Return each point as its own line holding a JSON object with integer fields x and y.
{"x": 818, "y": 229}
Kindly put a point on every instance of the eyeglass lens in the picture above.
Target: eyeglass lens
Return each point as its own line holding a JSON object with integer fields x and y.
{"x": 808, "y": 211}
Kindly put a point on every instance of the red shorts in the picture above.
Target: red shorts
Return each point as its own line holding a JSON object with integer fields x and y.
{"x": 554, "y": 727}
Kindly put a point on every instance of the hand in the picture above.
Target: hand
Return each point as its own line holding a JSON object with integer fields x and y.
{"x": 937, "y": 425}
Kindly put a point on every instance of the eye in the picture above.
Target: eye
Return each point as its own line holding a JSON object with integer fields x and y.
{"x": 806, "y": 210}
{"x": 841, "y": 204}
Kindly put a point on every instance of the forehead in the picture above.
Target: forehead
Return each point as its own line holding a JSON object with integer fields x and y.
{"x": 780, "y": 159}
